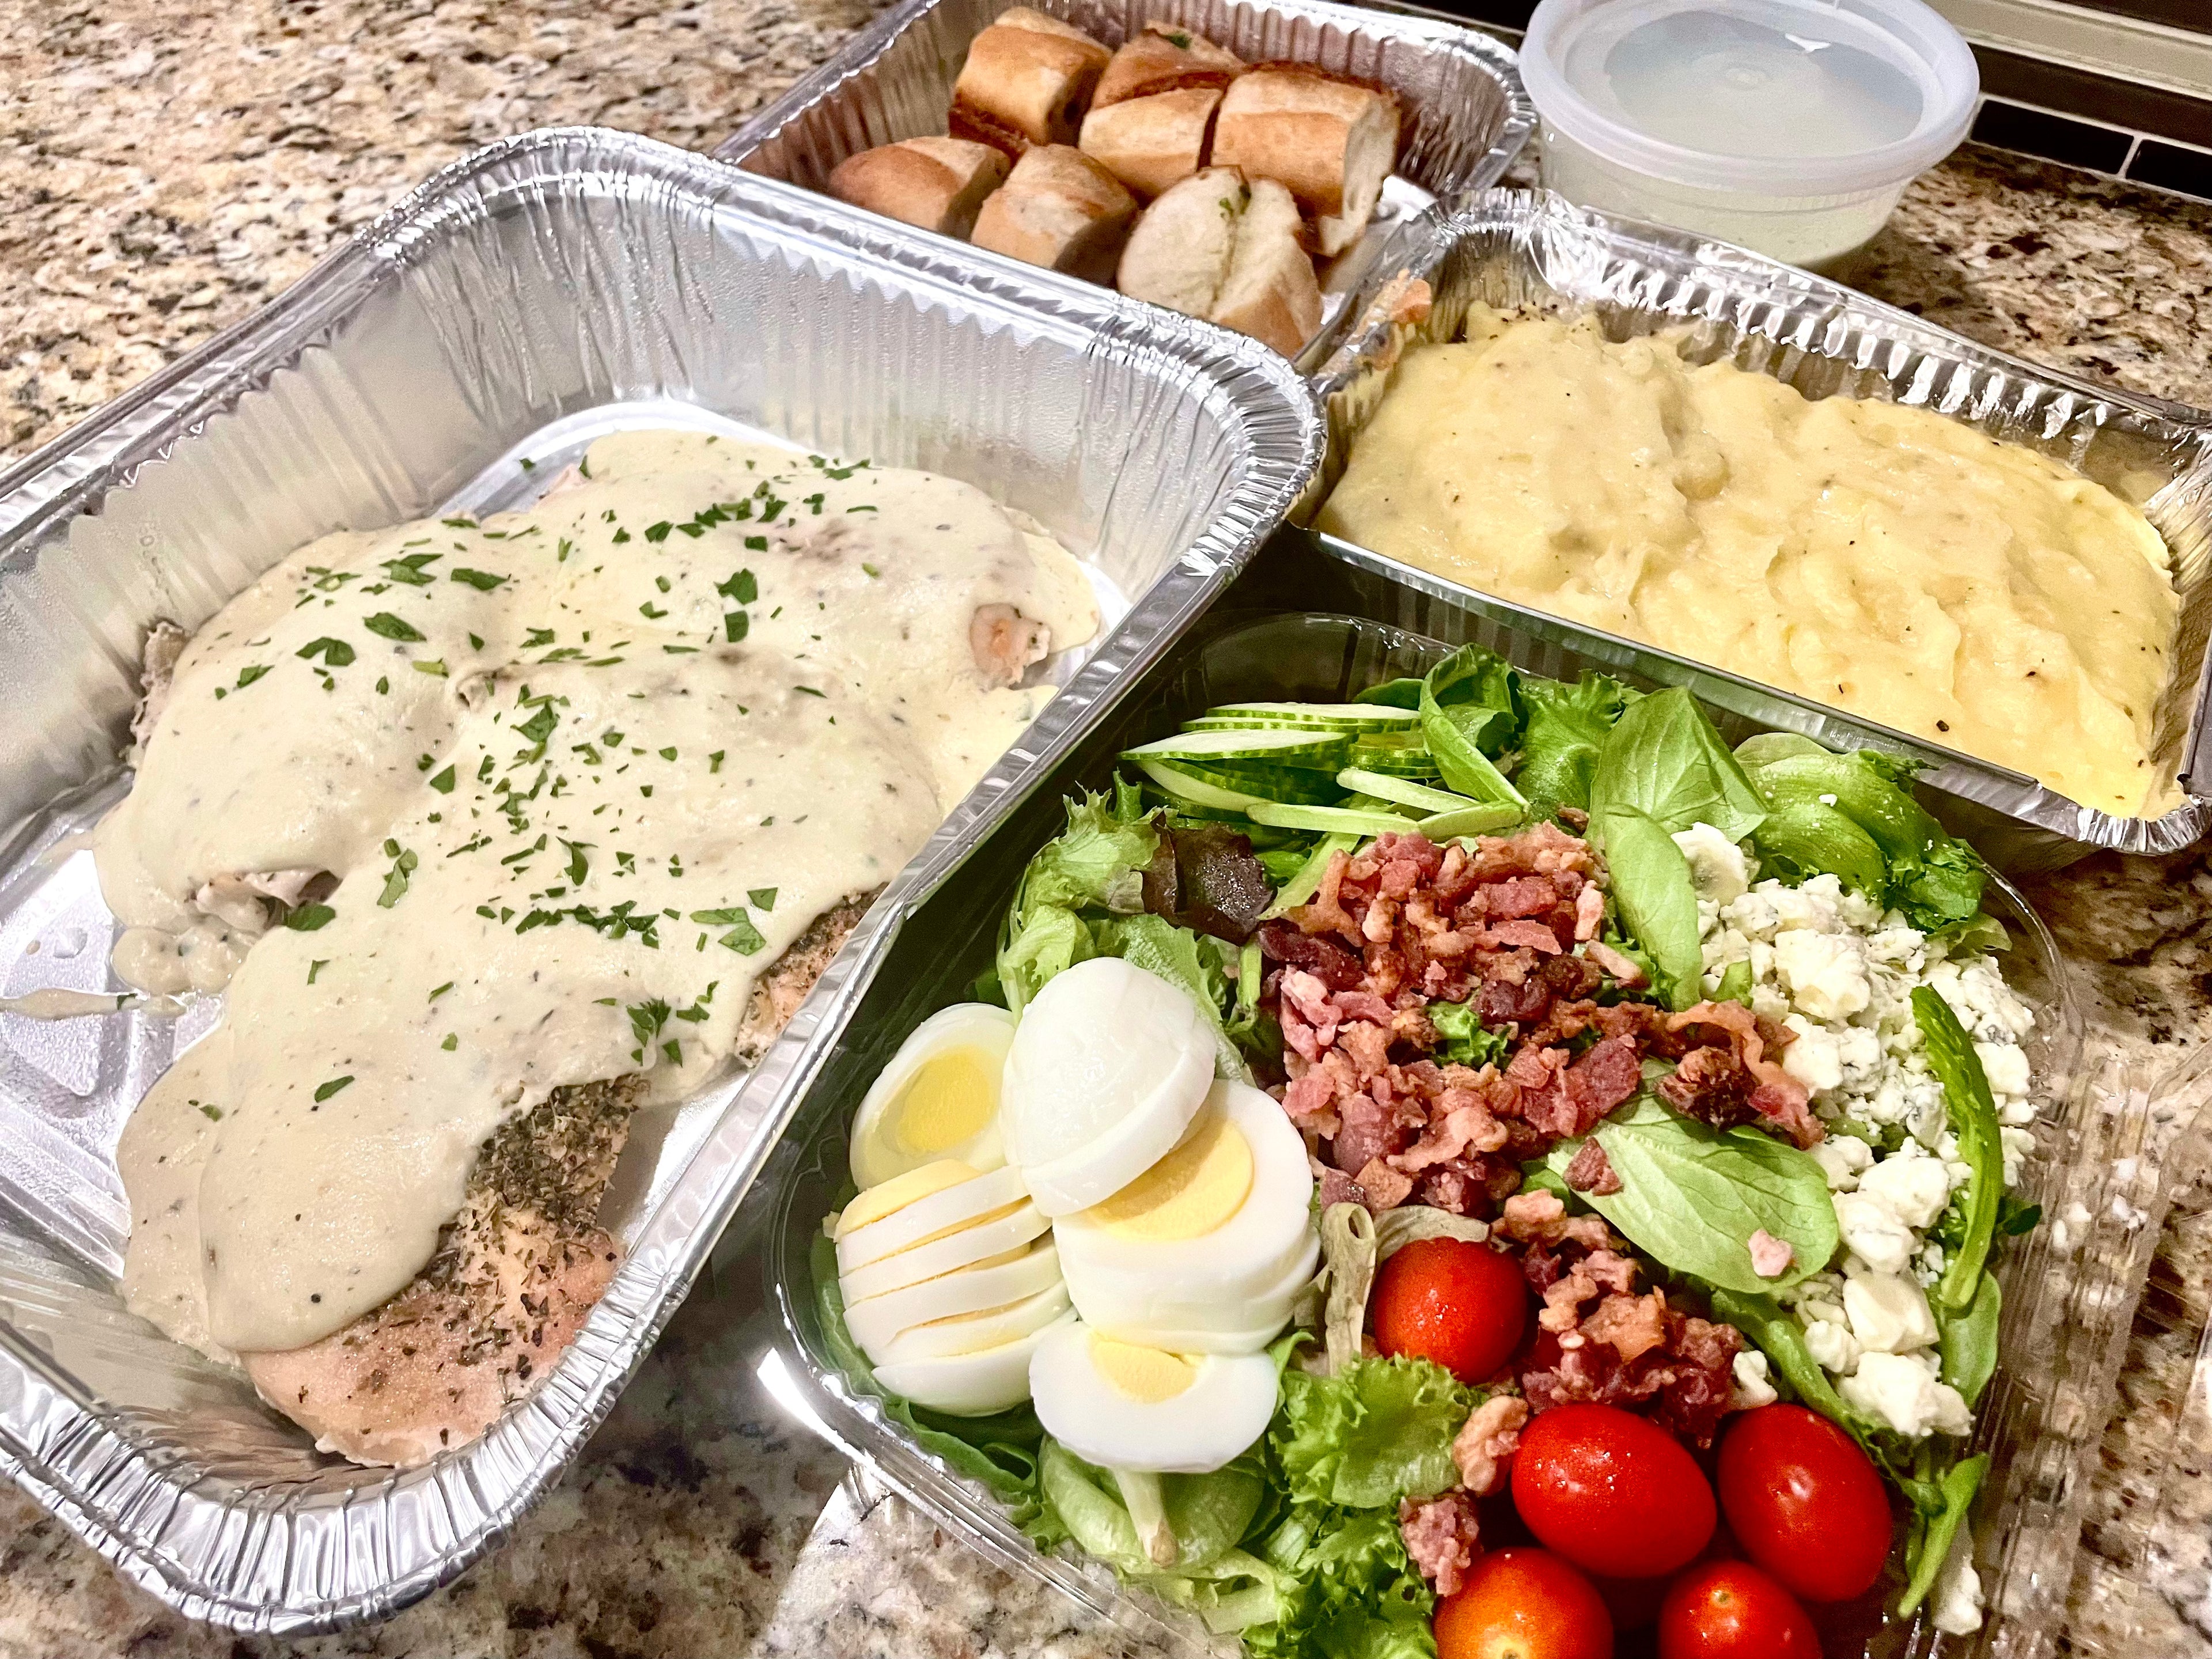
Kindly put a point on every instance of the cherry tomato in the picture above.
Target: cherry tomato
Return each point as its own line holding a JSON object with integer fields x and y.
{"x": 1731, "y": 1610}
{"x": 1805, "y": 1502}
{"x": 1612, "y": 1492}
{"x": 1523, "y": 1603}
{"x": 1463, "y": 1305}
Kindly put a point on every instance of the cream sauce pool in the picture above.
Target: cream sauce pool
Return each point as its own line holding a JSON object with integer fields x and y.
{"x": 580, "y": 773}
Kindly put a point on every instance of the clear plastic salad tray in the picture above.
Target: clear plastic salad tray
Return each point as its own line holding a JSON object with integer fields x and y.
{"x": 2069, "y": 1292}
{"x": 1466, "y": 115}
{"x": 526, "y": 300}
{"x": 1513, "y": 249}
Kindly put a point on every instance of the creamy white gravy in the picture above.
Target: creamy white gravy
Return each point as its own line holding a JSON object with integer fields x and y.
{"x": 581, "y": 773}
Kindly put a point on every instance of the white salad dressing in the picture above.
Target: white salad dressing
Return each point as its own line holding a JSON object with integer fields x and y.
{"x": 581, "y": 773}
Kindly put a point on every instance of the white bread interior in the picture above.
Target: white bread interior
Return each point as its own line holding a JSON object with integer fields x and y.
{"x": 1060, "y": 210}
{"x": 1270, "y": 291}
{"x": 1152, "y": 142}
{"x": 1164, "y": 58}
{"x": 939, "y": 184}
{"x": 1217, "y": 247}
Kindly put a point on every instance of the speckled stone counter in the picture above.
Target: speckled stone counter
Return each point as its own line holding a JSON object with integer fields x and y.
{"x": 166, "y": 165}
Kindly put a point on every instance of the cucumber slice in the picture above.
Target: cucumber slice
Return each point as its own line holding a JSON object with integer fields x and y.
{"x": 1305, "y": 785}
{"x": 1476, "y": 818}
{"x": 1307, "y": 882}
{"x": 1408, "y": 763}
{"x": 1181, "y": 786}
{"x": 1338, "y": 716}
{"x": 1401, "y": 792}
{"x": 1349, "y": 820}
{"x": 1271, "y": 744}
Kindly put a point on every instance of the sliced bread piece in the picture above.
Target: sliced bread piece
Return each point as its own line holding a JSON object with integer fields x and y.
{"x": 1026, "y": 81}
{"x": 1179, "y": 254}
{"x": 1331, "y": 140}
{"x": 1153, "y": 142}
{"x": 1060, "y": 210}
{"x": 1270, "y": 291}
{"x": 1164, "y": 58}
{"x": 939, "y": 184}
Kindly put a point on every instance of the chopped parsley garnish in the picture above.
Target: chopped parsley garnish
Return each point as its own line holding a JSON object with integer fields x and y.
{"x": 335, "y": 653}
{"x": 762, "y": 896}
{"x": 330, "y": 1088}
{"x": 383, "y": 686}
{"x": 668, "y": 754}
{"x": 384, "y": 625}
{"x": 736, "y": 625}
{"x": 431, "y": 665}
{"x": 246, "y": 675}
{"x": 307, "y": 918}
{"x": 395, "y": 879}
{"x": 715, "y": 761}
{"x": 810, "y": 690}
{"x": 408, "y": 568}
{"x": 756, "y": 543}
{"x": 578, "y": 866}
{"x": 650, "y": 612}
{"x": 740, "y": 586}
{"x": 212, "y": 1114}
{"x": 443, "y": 783}
{"x": 539, "y": 726}
{"x": 441, "y": 991}
{"x": 872, "y": 572}
{"x": 483, "y": 581}
{"x": 453, "y": 1042}
{"x": 464, "y": 522}
{"x": 536, "y": 637}
{"x": 317, "y": 966}
{"x": 658, "y": 533}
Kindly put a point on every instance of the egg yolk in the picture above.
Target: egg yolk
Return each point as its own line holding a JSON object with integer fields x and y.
{"x": 895, "y": 1194}
{"x": 1148, "y": 1375}
{"x": 949, "y": 1100}
{"x": 1196, "y": 1187}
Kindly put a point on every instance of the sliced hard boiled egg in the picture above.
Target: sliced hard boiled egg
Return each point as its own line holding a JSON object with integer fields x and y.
{"x": 1124, "y": 1406}
{"x": 1107, "y": 1067}
{"x": 937, "y": 1099}
{"x": 972, "y": 1384}
{"x": 925, "y": 1205}
{"x": 977, "y": 1331}
{"x": 1001, "y": 1236}
{"x": 1216, "y": 1238}
{"x": 877, "y": 1320}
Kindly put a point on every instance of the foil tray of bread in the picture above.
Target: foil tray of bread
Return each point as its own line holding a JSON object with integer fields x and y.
{"x": 1298, "y": 625}
{"x": 2090, "y": 685}
{"x": 579, "y": 332}
{"x": 1252, "y": 164}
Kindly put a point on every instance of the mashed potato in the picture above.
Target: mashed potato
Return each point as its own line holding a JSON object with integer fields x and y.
{"x": 1884, "y": 560}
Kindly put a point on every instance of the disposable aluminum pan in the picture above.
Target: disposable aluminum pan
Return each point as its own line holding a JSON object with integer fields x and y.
{"x": 541, "y": 293}
{"x": 2069, "y": 1288}
{"x": 1517, "y": 249}
{"x": 1466, "y": 115}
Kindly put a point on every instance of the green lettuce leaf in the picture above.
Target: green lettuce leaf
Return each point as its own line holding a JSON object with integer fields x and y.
{"x": 1656, "y": 898}
{"x": 1470, "y": 715}
{"x": 1467, "y": 1040}
{"x": 1345, "y": 1589}
{"x": 1046, "y": 941}
{"x": 1664, "y": 759}
{"x": 1181, "y": 958}
{"x": 1566, "y": 728}
{"x": 1376, "y": 1431}
{"x": 1098, "y": 864}
{"x": 1209, "y": 1514}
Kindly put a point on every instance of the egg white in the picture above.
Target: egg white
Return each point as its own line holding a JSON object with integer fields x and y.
{"x": 1224, "y": 1409}
{"x": 1108, "y": 1066}
{"x": 971, "y": 1384}
{"x": 982, "y": 1242}
{"x": 977, "y": 1331}
{"x": 877, "y": 1320}
{"x": 925, "y": 1218}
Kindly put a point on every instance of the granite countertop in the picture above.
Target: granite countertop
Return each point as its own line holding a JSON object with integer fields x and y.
{"x": 168, "y": 165}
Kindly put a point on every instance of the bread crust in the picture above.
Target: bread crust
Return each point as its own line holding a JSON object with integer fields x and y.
{"x": 1060, "y": 210}
{"x": 1318, "y": 133}
{"x": 1163, "y": 57}
{"x": 1025, "y": 83}
{"x": 1153, "y": 142}
{"x": 938, "y": 184}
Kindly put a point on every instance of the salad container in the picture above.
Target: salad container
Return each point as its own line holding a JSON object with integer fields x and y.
{"x": 1466, "y": 115}
{"x": 1519, "y": 249}
{"x": 456, "y": 355}
{"x": 2069, "y": 1291}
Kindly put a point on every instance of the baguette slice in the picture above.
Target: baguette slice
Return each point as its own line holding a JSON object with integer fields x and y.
{"x": 939, "y": 184}
{"x": 1332, "y": 141}
{"x": 1218, "y": 248}
{"x": 1060, "y": 210}
{"x": 1178, "y": 255}
{"x": 1164, "y": 58}
{"x": 1152, "y": 142}
{"x": 1025, "y": 83}
{"x": 1270, "y": 292}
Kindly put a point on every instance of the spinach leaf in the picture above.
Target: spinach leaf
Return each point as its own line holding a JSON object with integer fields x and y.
{"x": 1782, "y": 1340}
{"x": 1469, "y": 716}
{"x": 1765, "y": 748}
{"x": 1566, "y": 727}
{"x": 1664, "y": 759}
{"x": 1657, "y": 900}
{"x": 1806, "y": 840}
{"x": 1969, "y": 1344}
{"x": 1467, "y": 1040}
{"x": 1936, "y": 880}
{"x": 1930, "y": 1543}
{"x": 1692, "y": 1197}
{"x": 1973, "y": 1113}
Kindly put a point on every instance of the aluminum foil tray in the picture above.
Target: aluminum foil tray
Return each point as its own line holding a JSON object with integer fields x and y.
{"x": 546, "y": 290}
{"x": 2069, "y": 1292}
{"x": 1468, "y": 117}
{"x": 1522, "y": 249}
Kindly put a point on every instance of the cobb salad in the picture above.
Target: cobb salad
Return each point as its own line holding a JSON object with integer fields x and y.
{"x": 1467, "y": 1170}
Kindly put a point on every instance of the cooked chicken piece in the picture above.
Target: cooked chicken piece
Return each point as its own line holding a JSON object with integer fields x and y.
{"x": 517, "y": 1272}
{"x": 1005, "y": 642}
{"x": 165, "y": 643}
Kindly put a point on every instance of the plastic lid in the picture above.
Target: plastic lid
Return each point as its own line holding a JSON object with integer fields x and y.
{"x": 1780, "y": 97}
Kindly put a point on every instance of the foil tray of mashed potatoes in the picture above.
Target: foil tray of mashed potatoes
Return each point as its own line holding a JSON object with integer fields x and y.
{"x": 1464, "y": 114}
{"x": 540, "y": 639}
{"x": 1815, "y": 510}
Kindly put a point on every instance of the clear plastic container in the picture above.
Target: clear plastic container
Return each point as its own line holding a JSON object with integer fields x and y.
{"x": 2069, "y": 1292}
{"x": 1789, "y": 126}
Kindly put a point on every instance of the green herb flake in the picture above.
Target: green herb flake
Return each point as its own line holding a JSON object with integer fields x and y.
{"x": 453, "y": 1042}
{"x": 715, "y": 761}
{"x": 335, "y": 653}
{"x": 214, "y": 1114}
{"x": 395, "y": 880}
{"x": 764, "y": 898}
{"x": 384, "y": 625}
{"x": 324, "y": 1091}
{"x": 307, "y": 918}
{"x": 317, "y": 966}
{"x": 483, "y": 581}
{"x": 443, "y": 783}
